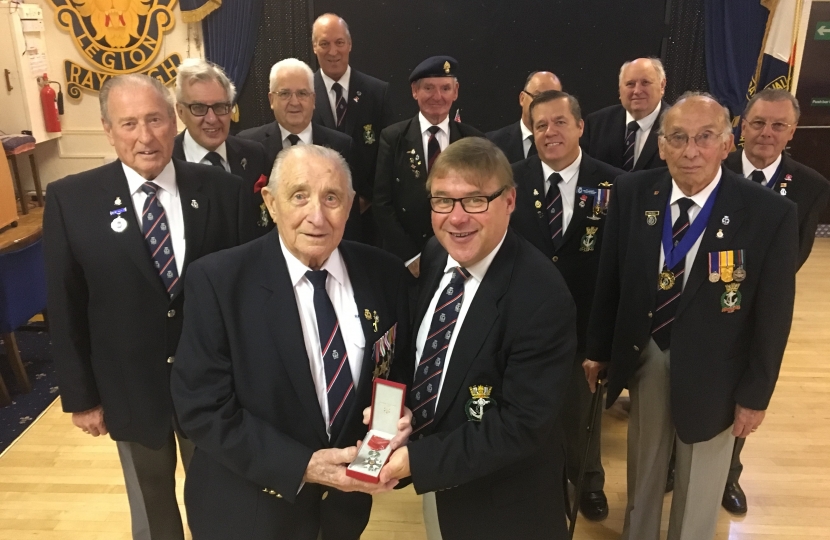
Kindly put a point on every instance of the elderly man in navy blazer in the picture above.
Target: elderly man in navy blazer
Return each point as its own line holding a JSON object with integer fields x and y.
{"x": 692, "y": 311}
{"x": 277, "y": 360}
{"x": 625, "y": 135}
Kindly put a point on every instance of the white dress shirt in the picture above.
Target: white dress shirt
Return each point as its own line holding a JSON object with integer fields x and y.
{"x": 527, "y": 137}
{"x": 168, "y": 196}
{"x": 443, "y": 134}
{"x": 196, "y": 153}
{"x": 339, "y": 288}
{"x": 646, "y": 123}
{"x": 344, "y": 82}
{"x": 477, "y": 272}
{"x": 567, "y": 187}
{"x": 699, "y": 200}
{"x": 769, "y": 171}
{"x": 305, "y": 136}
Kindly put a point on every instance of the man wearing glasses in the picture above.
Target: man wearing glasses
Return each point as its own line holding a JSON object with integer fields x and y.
{"x": 516, "y": 140}
{"x": 204, "y": 102}
{"x": 291, "y": 97}
{"x": 769, "y": 123}
{"x": 692, "y": 311}
{"x": 495, "y": 342}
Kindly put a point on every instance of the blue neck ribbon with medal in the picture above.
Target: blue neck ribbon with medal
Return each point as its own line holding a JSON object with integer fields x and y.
{"x": 674, "y": 254}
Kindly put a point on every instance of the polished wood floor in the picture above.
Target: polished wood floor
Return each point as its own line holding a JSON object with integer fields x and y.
{"x": 58, "y": 484}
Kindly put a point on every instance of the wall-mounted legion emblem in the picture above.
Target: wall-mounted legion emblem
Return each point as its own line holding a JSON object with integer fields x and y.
{"x": 116, "y": 38}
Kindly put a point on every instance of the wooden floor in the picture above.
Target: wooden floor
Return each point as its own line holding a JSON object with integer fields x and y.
{"x": 58, "y": 484}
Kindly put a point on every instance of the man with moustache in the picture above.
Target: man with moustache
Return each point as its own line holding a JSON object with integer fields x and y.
{"x": 561, "y": 198}
{"x": 118, "y": 242}
{"x": 407, "y": 151}
{"x": 692, "y": 311}
{"x": 204, "y": 101}
{"x": 291, "y": 95}
{"x": 516, "y": 139}
{"x": 351, "y": 102}
{"x": 625, "y": 135}
{"x": 277, "y": 361}
{"x": 768, "y": 124}
{"x": 495, "y": 340}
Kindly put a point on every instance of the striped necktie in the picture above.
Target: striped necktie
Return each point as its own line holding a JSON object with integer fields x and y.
{"x": 156, "y": 231}
{"x": 339, "y": 382}
{"x": 433, "y": 148}
{"x": 667, "y": 301}
{"x": 340, "y": 105}
{"x": 424, "y": 390}
{"x": 630, "y": 138}
{"x": 553, "y": 201}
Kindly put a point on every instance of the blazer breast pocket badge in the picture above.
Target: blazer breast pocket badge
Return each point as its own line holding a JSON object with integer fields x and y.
{"x": 479, "y": 402}
{"x": 729, "y": 267}
{"x": 368, "y": 134}
{"x": 383, "y": 351}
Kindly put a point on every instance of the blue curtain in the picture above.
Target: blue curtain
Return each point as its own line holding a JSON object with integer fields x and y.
{"x": 734, "y": 34}
{"x": 230, "y": 35}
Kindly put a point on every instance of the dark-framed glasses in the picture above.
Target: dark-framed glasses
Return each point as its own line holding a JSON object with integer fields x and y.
{"x": 477, "y": 204}
{"x": 707, "y": 139}
{"x": 532, "y": 96}
{"x": 285, "y": 95}
{"x": 759, "y": 125}
{"x": 201, "y": 109}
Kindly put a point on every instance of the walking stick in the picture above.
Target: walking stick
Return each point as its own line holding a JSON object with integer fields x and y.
{"x": 595, "y": 401}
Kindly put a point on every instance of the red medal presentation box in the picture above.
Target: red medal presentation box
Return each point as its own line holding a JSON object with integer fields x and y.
{"x": 387, "y": 409}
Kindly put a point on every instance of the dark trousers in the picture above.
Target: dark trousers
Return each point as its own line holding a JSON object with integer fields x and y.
{"x": 575, "y": 418}
{"x": 150, "y": 477}
{"x": 736, "y": 467}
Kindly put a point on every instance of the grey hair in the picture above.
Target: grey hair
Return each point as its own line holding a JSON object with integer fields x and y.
{"x": 196, "y": 69}
{"x": 773, "y": 95}
{"x": 655, "y": 63}
{"x": 340, "y": 19}
{"x": 726, "y": 117}
{"x": 287, "y": 65}
{"x": 133, "y": 79}
{"x": 304, "y": 152}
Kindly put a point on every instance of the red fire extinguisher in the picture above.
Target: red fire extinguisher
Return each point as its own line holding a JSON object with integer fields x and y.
{"x": 52, "y": 104}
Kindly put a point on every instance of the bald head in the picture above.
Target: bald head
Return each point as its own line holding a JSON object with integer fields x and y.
{"x": 695, "y": 137}
{"x": 642, "y": 85}
{"x": 537, "y": 82}
{"x": 332, "y": 43}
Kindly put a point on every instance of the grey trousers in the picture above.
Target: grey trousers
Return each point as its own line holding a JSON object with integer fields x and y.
{"x": 150, "y": 477}
{"x": 575, "y": 413}
{"x": 700, "y": 469}
{"x": 431, "y": 524}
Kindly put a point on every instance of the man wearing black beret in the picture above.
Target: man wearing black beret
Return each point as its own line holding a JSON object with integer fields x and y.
{"x": 407, "y": 151}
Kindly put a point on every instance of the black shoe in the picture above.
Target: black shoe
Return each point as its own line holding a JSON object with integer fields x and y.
{"x": 670, "y": 481}
{"x": 594, "y": 505}
{"x": 734, "y": 499}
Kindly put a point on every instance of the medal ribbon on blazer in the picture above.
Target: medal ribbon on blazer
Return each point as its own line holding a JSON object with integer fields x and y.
{"x": 675, "y": 254}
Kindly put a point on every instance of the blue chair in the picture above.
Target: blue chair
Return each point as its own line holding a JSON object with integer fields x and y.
{"x": 22, "y": 296}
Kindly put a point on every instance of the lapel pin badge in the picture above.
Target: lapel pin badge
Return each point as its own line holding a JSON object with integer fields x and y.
{"x": 657, "y": 193}
{"x": 118, "y": 224}
{"x": 719, "y": 234}
{"x": 117, "y": 200}
{"x": 375, "y": 321}
{"x": 651, "y": 217}
{"x": 244, "y": 163}
{"x": 535, "y": 192}
{"x": 538, "y": 204}
{"x": 725, "y": 220}
{"x": 195, "y": 204}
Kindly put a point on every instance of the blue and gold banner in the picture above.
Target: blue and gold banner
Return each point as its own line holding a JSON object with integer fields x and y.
{"x": 196, "y": 10}
{"x": 116, "y": 39}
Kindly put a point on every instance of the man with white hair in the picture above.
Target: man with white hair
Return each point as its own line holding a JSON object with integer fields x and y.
{"x": 118, "y": 241}
{"x": 282, "y": 341}
{"x": 692, "y": 311}
{"x": 291, "y": 95}
{"x": 625, "y": 135}
{"x": 204, "y": 102}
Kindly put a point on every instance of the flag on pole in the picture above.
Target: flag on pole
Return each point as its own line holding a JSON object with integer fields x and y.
{"x": 777, "y": 58}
